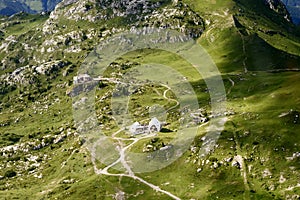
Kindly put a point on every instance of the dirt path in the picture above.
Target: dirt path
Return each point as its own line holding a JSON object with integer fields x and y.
{"x": 232, "y": 85}
{"x": 122, "y": 148}
{"x": 122, "y": 159}
{"x": 169, "y": 99}
{"x": 239, "y": 158}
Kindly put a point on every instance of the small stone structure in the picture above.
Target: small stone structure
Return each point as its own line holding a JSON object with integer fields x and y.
{"x": 198, "y": 118}
{"x": 82, "y": 78}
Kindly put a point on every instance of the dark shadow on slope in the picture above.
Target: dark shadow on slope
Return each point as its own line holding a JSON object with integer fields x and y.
{"x": 261, "y": 56}
{"x": 260, "y": 8}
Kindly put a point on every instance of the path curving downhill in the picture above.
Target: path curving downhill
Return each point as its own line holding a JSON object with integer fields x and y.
{"x": 129, "y": 173}
{"x": 122, "y": 148}
{"x": 169, "y": 99}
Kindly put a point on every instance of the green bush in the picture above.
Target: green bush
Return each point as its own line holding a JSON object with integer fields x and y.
{"x": 10, "y": 173}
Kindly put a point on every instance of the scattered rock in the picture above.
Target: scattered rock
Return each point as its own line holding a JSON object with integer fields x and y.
{"x": 291, "y": 117}
{"x": 282, "y": 179}
{"x": 237, "y": 162}
{"x": 266, "y": 173}
{"x": 68, "y": 181}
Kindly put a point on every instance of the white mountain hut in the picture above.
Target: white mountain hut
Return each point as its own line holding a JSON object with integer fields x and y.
{"x": 136, "y": 129}
{"x": 154, "y": 125}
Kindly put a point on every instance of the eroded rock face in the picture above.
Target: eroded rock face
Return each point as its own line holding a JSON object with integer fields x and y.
{"x": 177, "y": 17}
{"x": 125, "y": 7}
{"x": 147, "y": 13}
{"x": 93, "y": 10}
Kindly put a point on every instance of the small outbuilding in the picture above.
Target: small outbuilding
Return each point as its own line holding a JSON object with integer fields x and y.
{"x": 82, "y": 78}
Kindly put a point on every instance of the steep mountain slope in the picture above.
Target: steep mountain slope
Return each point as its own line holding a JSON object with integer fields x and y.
{"x": 11, "y": 7}
{"x": 263, "y": 35}
{"x": 28, "y": 6}
{"x": 293, "y": 7}
{"x": 256, "y": 50}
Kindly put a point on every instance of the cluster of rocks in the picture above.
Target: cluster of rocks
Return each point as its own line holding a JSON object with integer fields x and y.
{"x": 156, "y": 144}
{"x": 92, "y": 10}
{"x": 23, "y": 158}
{"x": 68, "y": 39}
{"x": 125, "y": 8}
{"x": 27, "y": 74}
{"x": 50, "y": 67}
{"x": 37, "y": 144}
{"x": 212, "y": 162}
{"x": 56, "y": 42}
{"x": 21, "y": 75}
{"x": 139, "y": 12}
{"x": 177, "y": 17}
{"x": 294, "y": 156}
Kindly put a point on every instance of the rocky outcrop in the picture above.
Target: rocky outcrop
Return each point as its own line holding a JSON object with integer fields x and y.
{"x": 179, "y": 17}
{"x": 147, "y": 13}
{"x": 27, "y": 74}
{"x": 62, "y": 35}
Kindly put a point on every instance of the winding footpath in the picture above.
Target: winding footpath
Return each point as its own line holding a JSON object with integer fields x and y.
{"x": 238, "y": 157}
{"x": 122, "y": 160}
{"x": 121, "y": 148}
{"x": 165, "y": 96}
{"x": 232, "y": 85}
